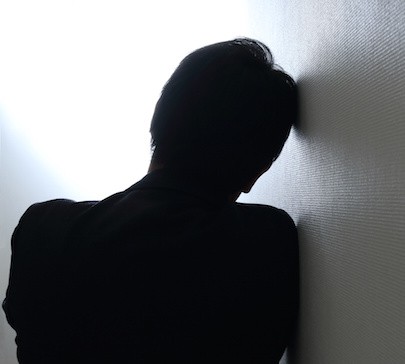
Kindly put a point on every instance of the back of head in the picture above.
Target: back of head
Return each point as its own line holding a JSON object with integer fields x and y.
{"x": 225, "y": 113}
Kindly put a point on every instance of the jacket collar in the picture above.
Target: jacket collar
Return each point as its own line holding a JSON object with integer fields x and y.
{"x": 200, "y": 188}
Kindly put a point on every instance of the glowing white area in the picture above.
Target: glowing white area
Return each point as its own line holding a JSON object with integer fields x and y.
{"x": 79, "y": 80}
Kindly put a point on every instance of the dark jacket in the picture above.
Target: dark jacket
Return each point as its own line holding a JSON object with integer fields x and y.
{"x": 163, "y": 272}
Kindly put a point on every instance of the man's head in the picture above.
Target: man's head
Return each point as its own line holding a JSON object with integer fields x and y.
{"x": 225, "y": 114}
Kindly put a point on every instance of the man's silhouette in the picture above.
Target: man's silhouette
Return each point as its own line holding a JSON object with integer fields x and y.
{"x": 172, "y": 270}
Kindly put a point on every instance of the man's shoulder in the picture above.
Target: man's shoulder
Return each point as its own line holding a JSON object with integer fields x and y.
{"x": 51, "y": 211}
{"x": 261, "y": 212}
{"x": 269, "y": 227}
{"x": 59, "y": 205}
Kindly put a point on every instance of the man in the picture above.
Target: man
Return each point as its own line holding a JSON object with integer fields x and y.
{"x": 172, "y": 270}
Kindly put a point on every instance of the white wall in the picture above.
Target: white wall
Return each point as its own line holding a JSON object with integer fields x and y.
{"x": 342, "y": 174}
{"x": 78, "y": 84}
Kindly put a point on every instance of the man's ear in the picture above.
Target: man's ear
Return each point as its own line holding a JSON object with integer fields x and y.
{"x": 248, "y": 186}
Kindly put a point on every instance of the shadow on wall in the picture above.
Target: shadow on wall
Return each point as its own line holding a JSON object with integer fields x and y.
{"x": 23, "y": 180}
{"x": 28, "y": 179}
{"x": 310, "y": 272}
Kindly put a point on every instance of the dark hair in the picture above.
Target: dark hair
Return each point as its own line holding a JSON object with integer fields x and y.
{"x": 226, "y": 112}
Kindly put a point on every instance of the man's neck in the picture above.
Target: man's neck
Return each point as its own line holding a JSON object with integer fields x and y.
{"x": 153, "y": 166}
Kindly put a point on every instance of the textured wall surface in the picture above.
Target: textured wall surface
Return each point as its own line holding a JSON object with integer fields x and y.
{"x": 342, "y": 173}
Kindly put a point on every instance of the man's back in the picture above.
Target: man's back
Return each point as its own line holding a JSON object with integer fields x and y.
{"x": 163, "y": 272}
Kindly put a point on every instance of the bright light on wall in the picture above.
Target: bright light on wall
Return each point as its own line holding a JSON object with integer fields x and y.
{"x": 79, "y": 79}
